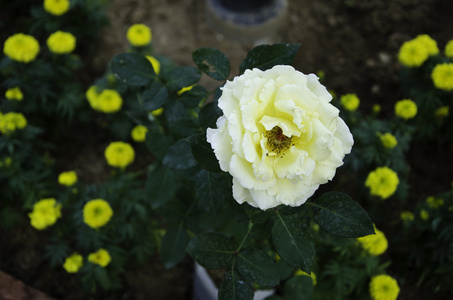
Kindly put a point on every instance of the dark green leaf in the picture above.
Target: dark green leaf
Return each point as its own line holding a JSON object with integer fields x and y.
{"x": 173, "y": 246}
{"x": 132, "y": 69}
{"x": 209, "y": 115}
{"x": 180, "y": 77}
{"x": 341, "y": 216}
{"x": 174, "y": 110}
{"x": 183, "y": 128}
{"x": 293, "y": 241}
{"x": 203, "y": 152}
{"x": 211, "y": 250}
{"x": 211, "y": 190}
{"x": 298, "y": 288}
{"x": 258, "y": 216}
{"x": 155, "y": 96}
{"x": 102, "y": 277}
{"x": 257, "y": 267}
{"x": 192, "y": 98}
{"x": 265, "y": 57}
{"x": 157, "y": 142}
{"x": 235, "y": 288}
{"x": 160, "y": 185}
{"x": 179, "y": 156}
{"x": 212, "y": 62}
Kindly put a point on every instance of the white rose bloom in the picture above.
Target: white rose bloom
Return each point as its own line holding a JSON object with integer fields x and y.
{"x": 279, "y": 137}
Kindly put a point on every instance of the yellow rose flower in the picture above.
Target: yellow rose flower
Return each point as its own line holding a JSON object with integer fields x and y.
{"x": 119, "y": 154}
{"x": 100, "y": 257}
{"x": 442, "y": 111}
{"x": 407, "y": 216}
{"x": 406, "y": 109}
{"x": 375, "y": 244}
{"x": 56, "y": 7}
{"x": 138, "y": 133}
{"x": 413, "y": 53}
{"x": 12, "y": 121}
{"x": 109, "y": 101}
{"x": 388, "y": 140}
{"x": 442, "y": 76}
{"x": 73, "y": 263}
{"x": 21, "y": 47}
{"x": 97, "y": 213}
{"x": 139, "y": 35}
{"x": 155, "y": 63}
{"x": 350, "y": 102}
{"x": 429, "y": 43}
{"x": 382, "y": 182}
{"x": 384, "y": 287}
{"x": 45, "y": 213}
{"x": 67, "y": 178}
{"x": 14, "y": 93}
{"x": 61, "y": 42}
{"x": 449, "y": 49}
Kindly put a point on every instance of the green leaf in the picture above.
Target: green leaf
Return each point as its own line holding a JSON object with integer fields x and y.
{"x": 102, "y": 277}
{"x": 341, "y": 216}
{"x": 155, "y": 96}
{"x": 132, "y": 69}
{"x": 257, "y": 267}
{"x": 179, "y": 156}
{"x": 235, "y": 288}
{"x": 212, "y": 62}
{"x": 192, "y": 98}
{"x": 157, "y": 142}
{"x": 180, "y": 77}
{"x": 211, "y": 250}
{"x": 203, "y": 152}
{"x": 211, "y": 190}
{"x": 160, "y": 185}
{"x": 173, "y": 246}
{"x": 209, "y": 114}
{"x": 183, "y": 128}
{"x": 265, "y": 57}
{"x": 293, "y": 241}
{"x": 298, "y": 288}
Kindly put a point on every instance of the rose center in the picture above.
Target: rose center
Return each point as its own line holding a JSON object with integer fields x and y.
{"x": 277, "y": 141}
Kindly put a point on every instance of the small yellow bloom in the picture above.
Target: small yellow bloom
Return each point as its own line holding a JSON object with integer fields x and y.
{"x": 434, "y": 202}
{"x": 73, "y": 263}
{"x": 449, "y": 49}
{"x": 56, "y": 7}
{"x": 429, "y": 43}
{"x": 138, "y": 133}
{"x": 376, "y": 108}
{"x": 100, "y": 257}
{"x": 109, "y": 101}
{"x": 12, "y": 121}
{"x": 303, "y": 273}
{"x": 97, "y": 213}
{"x": 185, "y": 89}
{"x": 424, "y": 215}
{"x": 139, "y": 35}
{"x": 21, "y": 47}
{"x": 119, "y": 154}
{"x": 45, "y": 213}
{"x": 157, "y": 112}
{"x": 350, "y": 102}
{"x": 61, "y": 42}
{"x": 407, "y": 216}
{"x": 375, "y": 244}
{"x": 92, "y": 95}
{"x": 442, "y": 76}
{"x": 382, "y": 182}
{"x": 14, "y": 93}
{"x": 67, "y": 178}
{"x": 6, "y": 162}
{"x": 442, "y": 111}
{"x": 406, "y": 109}
{"x": 384, "y": 287}
{"x": 155, "y": 63}
{"x": 388, "y": 140}
{"x": 413, "y": 53}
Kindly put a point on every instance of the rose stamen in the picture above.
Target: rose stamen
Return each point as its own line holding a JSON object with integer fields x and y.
{"x": 277, "y": 141}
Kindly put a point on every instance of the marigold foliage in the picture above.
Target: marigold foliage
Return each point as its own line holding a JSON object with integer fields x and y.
{"x": 67, "y": 178}
{"x": 61, "y": 42}
{"x": 73, "y": 263}
{"x": 382, "y": 182}
{"x": 119, "y": 154}
{"x": 350, "y": 102}
{"x": 97, "y": 213}
{"x": 56, "y": 7}
{"x": 138, "y": 133}
{"x": 14, "y": 93}
{"x": 139, "y": 35}
{"x": 406, "y": 109}
{"x": 384, "y": 287}
{"x": 21, "y": 47}
{"x": 388, "y": 140}
{"x": 375, "y": 244}
{"x": 442, "y": 76}
{"x": 45, "y": 213}
{"x": 100, "y": 257}
{"x": 12, "y": 121}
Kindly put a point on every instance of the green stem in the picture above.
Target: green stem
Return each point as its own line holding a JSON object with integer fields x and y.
{"x": 245, "y": 237}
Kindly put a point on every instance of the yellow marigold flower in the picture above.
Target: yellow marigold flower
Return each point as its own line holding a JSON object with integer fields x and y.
{"x": 139, "y": 35}
{"x": 185, "y": 89}
{"x": 14, "y": 93}
{"x": 100, "y": 257}
{"x": 434, "y": 202}
{"x": 442, "y": 76}
{"x": 155, "y": 63}
{"x": 350, "y": 102}
{"x": 21, "y": 47}
{"x": 382, "y": 182}
{"x": 388, "y": 140}
{"x": 449, "y": 49}
{"x": 73, "y": 263}
{"x": 119, "y": 154}
{"x": 384, "y": 287}
{"x": 157, "y": 112}
{"x": 109, "y": 101}
{"x": 97, "y": 213}
{"x": 424, "y": 215}
{"x": 45, "y": 213}
{"x": 413, "y": 53}
{"x": 375, "y": 244}
{"x": 406, "y": 109}
{"x": 6, "y": 162}
{"x": 12, "y": 121}
{"x": 407, "y": 216}
{"x": 61, "y": 42}
{"x": 376, "y": 108}
{"x": 429, "y": 43}
{"x": 442, "y": 111}
{"x": 92, "y": 95}
{"x": 67, "y": 178}
{"x": 302, "y": 273}
{"x": 56, "y": 7}
{"x": 138, "y": 133}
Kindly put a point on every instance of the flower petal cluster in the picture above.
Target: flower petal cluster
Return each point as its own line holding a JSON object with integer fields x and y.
{"x": 279, "y": 137}
{"x": 155, "y": 63}
{"x": 97, "y": 213}
{"x": 119, "y": 154}
{"x": 449, "y": 49}
{"x": 100, "y": 257}
{"x": 14, "y": 93}
{"x": 139, "y": 35}
{"x": 384, "y": 287}
{"x": 350, "y": 102}
{"x": 21, "y": 47}
{"x": 434, "y": 202}
{"x": 388, "y": 140}
{"x": 45, "y": 213}
{"x": 138, "y": 133}
{"x": 443, "y": 111}
{"x": 61, "y": 42}
{"x": 12, "y": 121}
{"x": 442, "y": 76}
{"x": 375, "y": 244}
{"x": 107, "y": 101}
{"x": 73, "y": 263}
{"x": 406, "y": 109}
{"x": 415, "y": 52}
{"x": 56, "y": 7}
{"x": 382, "y": 182}
{"x": 424, "y": 214}
{"x": 67, "y": 178}
{"x": 407, "y": 216}
{"x": 429, "y": 43}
